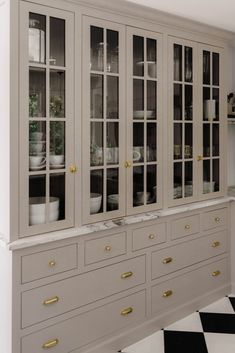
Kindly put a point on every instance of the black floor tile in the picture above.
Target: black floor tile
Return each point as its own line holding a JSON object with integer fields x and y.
{"x": 184, "y": 342}
{"x": 218, "y": 323}
{"x": 232, "y": 301}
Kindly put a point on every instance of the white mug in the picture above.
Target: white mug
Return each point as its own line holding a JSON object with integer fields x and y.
{"x": 56, "y": 159}
{"x": 36, "y": 161}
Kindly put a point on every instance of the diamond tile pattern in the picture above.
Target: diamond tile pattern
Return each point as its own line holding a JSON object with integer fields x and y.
{"x": 211, "y": 330}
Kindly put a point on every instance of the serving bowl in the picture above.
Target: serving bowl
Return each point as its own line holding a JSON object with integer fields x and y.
{"x": 95, "y": 202}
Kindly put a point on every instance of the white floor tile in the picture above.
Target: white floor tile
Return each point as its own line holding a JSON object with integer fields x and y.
{"x": 190, "y": 323}
{"x": 150, "y": 344}
{"x": 220, "y": 306}
{"x": 220, "y": 343}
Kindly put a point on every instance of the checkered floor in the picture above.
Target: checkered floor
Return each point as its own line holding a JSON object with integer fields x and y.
{"x": 211, "y": 330}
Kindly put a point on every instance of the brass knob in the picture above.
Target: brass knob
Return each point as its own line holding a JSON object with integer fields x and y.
{"x": 126, "y": 311}
{"x": 217, "y": 219}
{"x": 215, "y": 244}
{"x": 187, "y": 227}
{"x": 167, "y": 294}
{"x": 127, "y": 164}
{"x": 126, "y": 274}
{"x": 51, "y": 301}
{"x": 199, "y": 158}
{"x": 52, "y": 263}
{"x": 216, "y": 273}
{"x": 108, "y": 248}
{"x": 151, "y": 236}
{"x": 73, "y": 169}
{"x": 50, "y": 344}
{"x": 167, "y": 260}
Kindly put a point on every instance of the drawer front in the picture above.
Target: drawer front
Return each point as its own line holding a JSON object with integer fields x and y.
{"x": 48, "y": 263}
{"x": 105, "y": 248}
{"x": 214, "y": 219}
{"x": 87, "y": 327}
{"x": 179, "y": 256}
{"x": 148, "y": 236}
{"x": 57, "y": 298}
{"x": 185, "y": 226}
{"x": 179, "y": 290}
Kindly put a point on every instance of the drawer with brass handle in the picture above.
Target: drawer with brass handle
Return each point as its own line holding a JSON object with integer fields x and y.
{"x": 167, "y": 294}
{"x": 145, "y": 237}
{"x": 216, "y": 273}
{"x": 126, "y": 274}
{"x": 73, "y": 333}
{"x": 188, "y": 253}
{"x": 215, "y": 218}
{"x": 51, "y": 301}
{"x": 185, "y": 226}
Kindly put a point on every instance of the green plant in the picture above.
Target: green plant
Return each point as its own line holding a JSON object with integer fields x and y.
{"x": 57, "y": 138}
{"x": 56, "y": 106}
{"x": 33, "y": 104}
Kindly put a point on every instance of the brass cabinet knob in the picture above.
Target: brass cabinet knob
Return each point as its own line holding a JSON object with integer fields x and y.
{"x": 51, "y": 301}
{"x": 73, "y": 169}
{"x": 217, "y": 219}
{"x": 187, "y": 226}
{"x": 127, "y": 311}
{"x": 127, "y": 164}
{"x": 108, "y": 248}
{"x": 126, "y": 274}
{"x": 52, "y": 263}
{"x": 167, "y": 294}
{"x": 151, "y": 236}
{"x": 215, "y": 244}
{"x": 50, "y": 344}
{"x": 216, "y": 273}
{"x": 199, "y": 158}
{"x": 167, "y": 260}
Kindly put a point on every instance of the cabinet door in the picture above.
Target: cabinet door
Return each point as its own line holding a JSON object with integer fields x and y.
{"x": 46, "y": 119}
{"x": 212, "y": 156}
{"x": 182, "y": 123}
{"x": 103, "y": 120}
{"x": 144, "y": 121}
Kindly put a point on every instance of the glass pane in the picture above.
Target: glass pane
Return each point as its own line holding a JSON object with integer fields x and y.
{"x": 138, "y": 56}
{"x": 37, "y": 145}
{"x": 177, "y": 62}
{"x": 215, "y": 59}
{"x": 96, "y": 195}
{"x": 57, "y": 94}
{"x": 206, "y": 67}
{"x": 151, "y": 196}
{"x": 57, "y": 41}
{"x": 37, "y": 199}
{"x": 96, "y": 148}
{"x": 216, "y": 104}
{"x": 216, "y": 175}
{"x": 138, "y": 99}
{"x": 188, "y": 64}
{"x": 138, "y": 142}
{"x": 151, "y": 100}
{"x": 97, "y": 97}
{"x": 37, "y": 38}
{"x": 177, "y": 141}
{"x": 206, "y": 177}
{"x": 178, "y": 101}
{"x": 112, "y": 189}
{"x": 112, "y": 143}
{"x": 178, "y": 180}
{"x": 151, "y": 142}
{"x": 112, "y": 97}
{"x": 188, "y": 147}
{"x": 206, "y": 140}
{"x": 152, "y": 57}
{"x": 207, "y": 105}
{"x": 188, "y": 183}
{"x": 112, "y": 51}
{"x": 97, "y": 48}
{"x": 57, "y": 144}
{"x": 37, "y": 92}
{"x": 138, "y": 186}
{"x": 57, "y": 197}
{"x": 215, "y": 140}
{"x": 188, "y": 102}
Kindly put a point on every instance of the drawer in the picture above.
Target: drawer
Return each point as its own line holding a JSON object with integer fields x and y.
{"x": 185, "y": 226}
{"x": 85, "y": 328}
{"x": 148, "y": 236}
{"x": 179, "y": 256}
{"x": 48, "y": 263}
{"x": 105, "y": 248}
{"x": 57, "y": 298}
{"x": 179, "y": 290}
{"x": 214, "y": 219}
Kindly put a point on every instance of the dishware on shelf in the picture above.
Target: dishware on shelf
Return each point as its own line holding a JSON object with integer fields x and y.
{"x": 177, "y": 191}
{"x": 37, "y": 162}
{"x": 187, "y": 151}
{"x": 96, "y": 155}
{"x": 188, "y": 190}
{"x": 56, "y": 160}
{"x": 113, "y": 201}
{"x": 112, "y": 155}
{"x": 208, "y": 187}
{"x": 138, "y": 114}
{"x": 36, "y": 42}
{"x": 138, "y": 152}
{"x": 36, "y": 136}
{"x": 36, "y": 147}
{"x": 177, "y": 151}
{"x": 37, "y": 210}
{"x": 209, "y": 109}
{"x": 95, "y": 202}
{"x": 141, "y": 196}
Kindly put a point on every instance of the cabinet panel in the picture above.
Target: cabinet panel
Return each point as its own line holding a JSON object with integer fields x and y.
{"x": 185, "y": 226}
{"x": 215, "y": 219}
{"x": 145, "y": 237}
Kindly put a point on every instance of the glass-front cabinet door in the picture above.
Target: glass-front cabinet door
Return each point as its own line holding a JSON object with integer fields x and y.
{"x": 46, "y": 119}
{"x": 144, "y": 119}
{"x": 182, "y": 71}
{"x": 103, "y": 120}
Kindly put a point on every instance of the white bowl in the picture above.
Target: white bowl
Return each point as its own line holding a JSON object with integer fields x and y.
{"x": 37, "y": 205}
{"x": 95, "y": 202}
{"x": 40, "y": 218}
{"x": 113, "y": 198}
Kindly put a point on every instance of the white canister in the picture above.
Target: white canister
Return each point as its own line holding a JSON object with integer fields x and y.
{"x": 209, "y": 109}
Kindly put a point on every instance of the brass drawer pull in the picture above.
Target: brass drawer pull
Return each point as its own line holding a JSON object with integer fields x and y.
{"x": 215, "y": 244}
{"x": 187, "y": 227}
{"x": 217, "y": 219}
{"x": 52, "y": 263}
{"x": 108, "y": 248}
{"x": 216, "y": 273}
{"x": 167, "y": 260}
{"x": 126, "y": 311}
{"x": 167, "y": 294}
{"x": 51, "y": 301}
{"x": 50, "y": 344}
{"x": 126, "y": 274}
{"x": 151, "y": 236}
